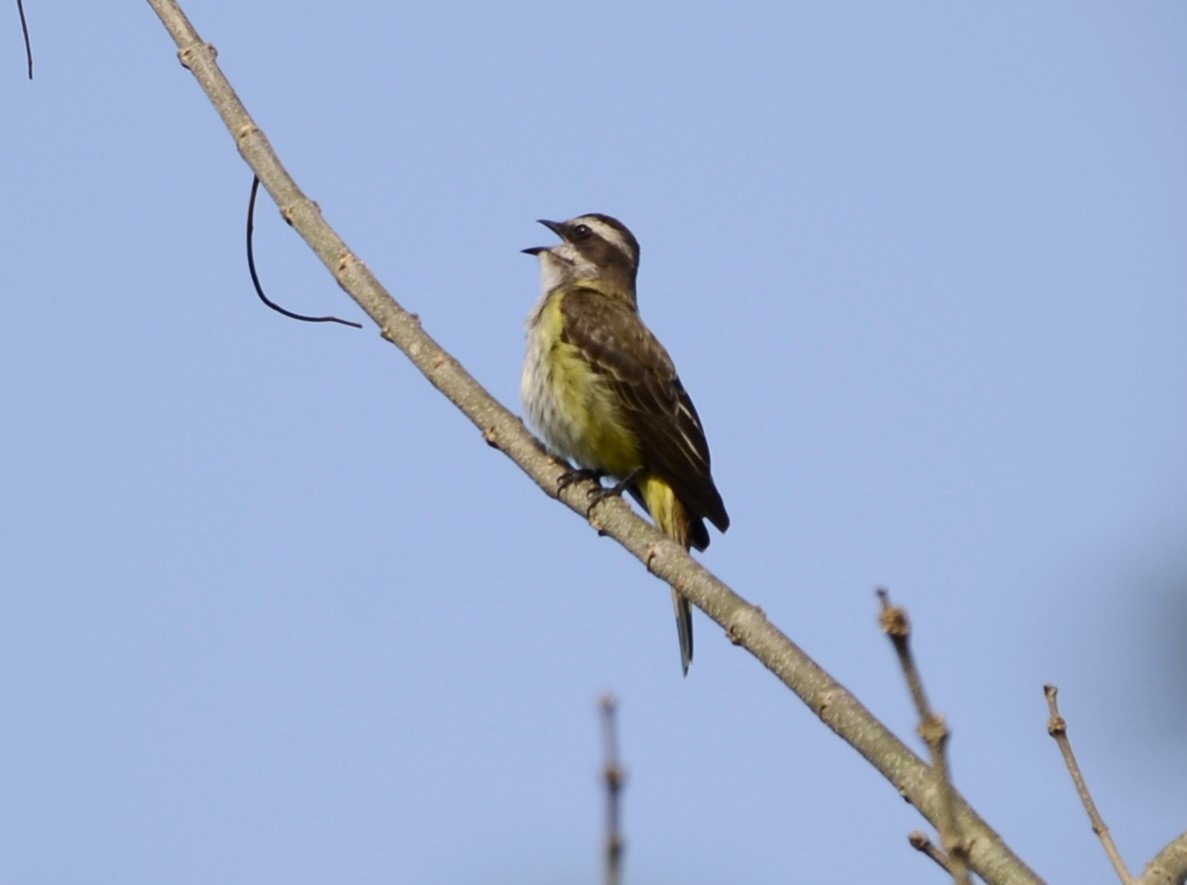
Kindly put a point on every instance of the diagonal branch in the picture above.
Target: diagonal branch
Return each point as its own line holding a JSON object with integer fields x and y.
{"x": 934, "y": 732}
{"x": 745, "y": 624}
{"x": 1057, "y": 728}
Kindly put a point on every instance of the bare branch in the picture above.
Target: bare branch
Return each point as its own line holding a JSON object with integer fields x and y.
{"x": 1057, "y": 728}
{"x": 934, "y": 732}
{"x": 744, "y": 624}
{"x": 614, "y": 778}
{"x": 921, "y": 843}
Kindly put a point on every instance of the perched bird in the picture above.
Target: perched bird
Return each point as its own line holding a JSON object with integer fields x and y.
{"x": 604, "y": 393}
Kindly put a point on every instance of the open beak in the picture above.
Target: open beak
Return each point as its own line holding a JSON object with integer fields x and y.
{"x": 556, "y": 227}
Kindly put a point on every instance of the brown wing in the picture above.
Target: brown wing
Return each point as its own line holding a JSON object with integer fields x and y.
{"x": 655, "y": 405}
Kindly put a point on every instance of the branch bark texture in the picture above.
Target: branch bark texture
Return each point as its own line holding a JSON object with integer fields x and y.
{"x": 1169, "y": 866}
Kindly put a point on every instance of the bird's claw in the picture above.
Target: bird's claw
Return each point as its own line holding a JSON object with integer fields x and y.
{"x": 600, "y": 494}
{"x": 571, "y": 476}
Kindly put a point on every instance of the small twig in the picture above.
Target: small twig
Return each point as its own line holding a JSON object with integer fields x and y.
{"x": 255, "y": 277}
{"x": 935, "y": 734}
{"x": 921, "y": 843}
{"x": 1057, "y": 728}
{"x": 614, "y": 777}
{"x": 20, "y": 8}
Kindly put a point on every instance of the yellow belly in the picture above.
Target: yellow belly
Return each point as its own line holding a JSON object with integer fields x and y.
{"x": 573, "y": 408}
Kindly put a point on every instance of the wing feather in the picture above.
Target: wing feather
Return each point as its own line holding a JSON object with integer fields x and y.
{"x": 655, "y": 404}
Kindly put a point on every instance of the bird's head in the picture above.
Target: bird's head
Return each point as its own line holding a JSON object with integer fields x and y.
{"x": 593, "y": 248}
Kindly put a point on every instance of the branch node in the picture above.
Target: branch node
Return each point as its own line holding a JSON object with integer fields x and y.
{"x": 596, "y": 523}
{"x": 653, "y": 553}
{"x": 933, "y": 730}
{"x": 186, "y": 56}
{"x": 892, "y": 619}
{"x": 745, "y": 620}
{"x": 1056, "y": 724}
{"x": 921, "y": 843}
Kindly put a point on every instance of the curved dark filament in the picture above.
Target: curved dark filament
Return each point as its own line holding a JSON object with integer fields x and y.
{"x": 255, "y": 278}
{"x": 20, "y": 7}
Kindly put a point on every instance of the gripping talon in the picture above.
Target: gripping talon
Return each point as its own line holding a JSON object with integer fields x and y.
{"x": 571, "y": 476}
{"x": 598, "y": 495}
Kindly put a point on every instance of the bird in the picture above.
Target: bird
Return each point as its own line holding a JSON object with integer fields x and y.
{"x": 604, "y": 394}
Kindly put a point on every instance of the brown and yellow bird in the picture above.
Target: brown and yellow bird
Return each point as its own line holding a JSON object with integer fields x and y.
{"x": 604, "y": 393}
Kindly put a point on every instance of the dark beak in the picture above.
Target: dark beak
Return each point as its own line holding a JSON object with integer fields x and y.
{"x": 556, "y": 227}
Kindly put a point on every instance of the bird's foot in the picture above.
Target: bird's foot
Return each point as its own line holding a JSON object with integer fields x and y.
{"x": 571, "y": 476}
{"x": 598, "y": 495}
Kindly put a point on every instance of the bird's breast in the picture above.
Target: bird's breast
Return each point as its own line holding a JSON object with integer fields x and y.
{"x": 574, "y": 408}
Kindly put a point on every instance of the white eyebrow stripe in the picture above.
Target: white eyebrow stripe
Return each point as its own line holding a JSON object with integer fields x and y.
{"x": 610, "y": 234}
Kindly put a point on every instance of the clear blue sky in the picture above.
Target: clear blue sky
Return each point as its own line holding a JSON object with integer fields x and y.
{"x": 273, "y": 612}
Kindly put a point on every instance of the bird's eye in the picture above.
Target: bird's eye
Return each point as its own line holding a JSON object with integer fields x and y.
{"x": 581, "y": 231}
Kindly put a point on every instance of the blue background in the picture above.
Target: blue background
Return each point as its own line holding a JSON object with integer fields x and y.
{"x": 273, "y": 612}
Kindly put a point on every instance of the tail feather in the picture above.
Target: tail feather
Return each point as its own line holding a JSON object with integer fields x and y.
{"x": 673, "y": 520}
{"x": 683, "y": 628}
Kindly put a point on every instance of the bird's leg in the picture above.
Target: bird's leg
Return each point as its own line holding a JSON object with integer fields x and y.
{"x": 571, "y": 476}
{"x": 598, "y": 495}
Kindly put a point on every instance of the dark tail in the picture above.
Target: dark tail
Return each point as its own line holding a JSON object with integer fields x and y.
{"x": 683, "y": 628}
